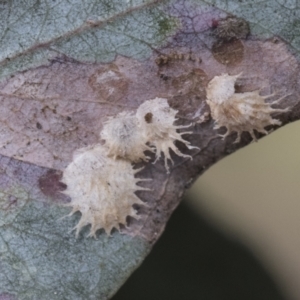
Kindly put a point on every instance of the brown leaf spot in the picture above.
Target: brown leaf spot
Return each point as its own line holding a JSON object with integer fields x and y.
{"x": 229, "y": 53}
{"x": 191, "y": 91}
{"x": 109, "y": 83}
{"x": 193, "y": 82}
{"x": 50, "y": 184}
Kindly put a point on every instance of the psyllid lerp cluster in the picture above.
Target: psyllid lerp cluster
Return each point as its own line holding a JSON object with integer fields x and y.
{"x": 239, "y": 112}
{"x": 101, "y": 179}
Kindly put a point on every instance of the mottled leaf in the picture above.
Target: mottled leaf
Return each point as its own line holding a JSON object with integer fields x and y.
{"x": 66, "y": 67}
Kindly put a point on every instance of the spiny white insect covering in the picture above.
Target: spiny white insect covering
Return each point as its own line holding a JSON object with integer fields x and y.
{"x": 156, "y": 119}
{"x": 101, "y": 180}
{"x": 124, "y": 139}
{"x": 239, "y": 111}
{"x": 102, "y": 189}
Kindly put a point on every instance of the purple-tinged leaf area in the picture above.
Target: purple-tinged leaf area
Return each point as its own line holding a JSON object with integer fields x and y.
{"x": 50, "y": 184}
{"x": 22, "y": 182}
{"x": 62, "y": 80}
{"x": 49, "y": 112}
{"x": 6, "y": 296}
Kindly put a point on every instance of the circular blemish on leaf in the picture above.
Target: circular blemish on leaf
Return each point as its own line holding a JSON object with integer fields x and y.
{"x": 192, "y": 82}
{"x": 50, "y": 184}
{"x": 229, "y": 53}
{"x": 191, "y": 90}
{"x": 109, "y": 83}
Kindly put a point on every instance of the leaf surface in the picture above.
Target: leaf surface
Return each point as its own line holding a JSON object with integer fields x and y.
{"x": 65, "y": 68}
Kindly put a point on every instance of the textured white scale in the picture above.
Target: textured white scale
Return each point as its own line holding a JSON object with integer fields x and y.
{"x": 101, "y": 180}
{"x": 102, "y": 189}
{"x": 160, "y": 131}
{"x": 239, "y": 112}
{"x": 124, "y": 138}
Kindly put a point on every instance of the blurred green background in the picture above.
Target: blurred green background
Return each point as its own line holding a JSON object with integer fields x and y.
{"x": 236, "y": 235}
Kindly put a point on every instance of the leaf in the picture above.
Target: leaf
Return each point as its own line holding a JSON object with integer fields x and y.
{"x": 68, "y": 66}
